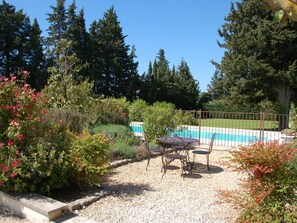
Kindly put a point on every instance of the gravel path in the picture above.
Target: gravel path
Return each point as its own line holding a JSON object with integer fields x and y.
{"x": 144, "y": 196}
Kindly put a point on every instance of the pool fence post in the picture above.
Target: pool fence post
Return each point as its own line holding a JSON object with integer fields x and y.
{"x": 199, "y": 124}
{"x": 261, "y": 126}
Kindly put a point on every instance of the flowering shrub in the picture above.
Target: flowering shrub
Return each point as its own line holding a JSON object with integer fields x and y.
{"x": 27, "y": 148}
{"x": 89, "y": 157}
{"x": 269, "y": 193}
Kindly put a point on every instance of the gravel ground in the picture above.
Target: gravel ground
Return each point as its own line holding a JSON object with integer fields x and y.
{"x": 7, "y": 217}
{"x": 144, "y": 196}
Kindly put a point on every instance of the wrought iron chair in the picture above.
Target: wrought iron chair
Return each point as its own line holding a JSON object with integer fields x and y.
{"x": 151, "y": 151}
{"x": 174, "y": 144}
{"x": 205, "y": 151}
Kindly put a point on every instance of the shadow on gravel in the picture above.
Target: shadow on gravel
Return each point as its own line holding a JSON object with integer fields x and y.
{"x": 128, "y": 189}
{"x": 202, "y": 168}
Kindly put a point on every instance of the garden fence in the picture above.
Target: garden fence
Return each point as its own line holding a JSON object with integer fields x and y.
{"x": 233, "y": 128}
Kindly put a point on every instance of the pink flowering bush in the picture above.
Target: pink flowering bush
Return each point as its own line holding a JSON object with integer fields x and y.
{"x": 32, "y": 149}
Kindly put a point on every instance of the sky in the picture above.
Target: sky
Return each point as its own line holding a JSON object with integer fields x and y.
{"x": 185, "y": 29}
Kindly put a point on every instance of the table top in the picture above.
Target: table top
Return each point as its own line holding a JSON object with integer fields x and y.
{"x": 175, "y": 139}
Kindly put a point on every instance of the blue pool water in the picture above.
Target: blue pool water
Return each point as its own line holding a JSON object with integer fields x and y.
{"x": 207, "y": 135}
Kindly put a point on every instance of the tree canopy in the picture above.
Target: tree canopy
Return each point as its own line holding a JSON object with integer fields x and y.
{"x": 177, "y": 86}
{"x": 260, "y": 59}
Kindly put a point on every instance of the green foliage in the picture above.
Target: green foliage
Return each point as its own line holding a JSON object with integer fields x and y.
{"x": 74, "y": 121}
{"x": 42, "y": 169}
{"x": 112, "y": 68}
{"x": 121, "y": 150}
{"x": 159, "y": 120}
{"x": 88, "y": 158}
{"x": 33, "y": 149}
{"x": 136, "y": 110}
{"x": 15, "y": 38}
{"x": 123, "y": 140}
{"x": 174, "y": 86}
{"x": 229, "y": 104}
{"x": 260, "y": 60}
{"x": 269, "y": 193}
{"x": 112, "y": 111}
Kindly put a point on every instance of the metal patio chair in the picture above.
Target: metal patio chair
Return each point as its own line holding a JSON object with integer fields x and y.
{"x": 151, "y": 152}
{"x": 174, "y": 148}
{"x": 205, "y": 151}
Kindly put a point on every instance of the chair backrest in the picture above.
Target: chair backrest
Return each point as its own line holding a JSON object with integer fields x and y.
{"x": 211, "y": 142}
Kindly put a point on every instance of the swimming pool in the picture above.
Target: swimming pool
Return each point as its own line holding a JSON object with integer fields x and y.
{"x": 228, "y": 136}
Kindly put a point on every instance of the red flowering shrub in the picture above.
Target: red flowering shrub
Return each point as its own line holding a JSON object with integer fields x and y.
{"x": 26, "y": 146}
{"x": 269, "y": 190}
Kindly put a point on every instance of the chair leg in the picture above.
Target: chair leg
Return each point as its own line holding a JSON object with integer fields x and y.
{"x": 207, "y": 159}
{"x": 148, "y": 162}
{"x": 194, "y": 156}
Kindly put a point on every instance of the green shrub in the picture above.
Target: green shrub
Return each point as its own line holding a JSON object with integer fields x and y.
{"x": 269, "y": 193}
{"x": 123, "y": 140}
{"x": 112, "y": 111}
{"x": 136, "y": 110}
{"x": 74, "y": 121}
{"x": 118, "y": 133}
{"x": 162, "y": 118}
{"x": 122, "y": 150}
{"x": 42, "y": 170}
{"x": 185, "y": 118}
{"x": 88, "y": 159}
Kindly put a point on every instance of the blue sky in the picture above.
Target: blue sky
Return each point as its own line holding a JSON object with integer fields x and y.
{"x": 185, "y": 29}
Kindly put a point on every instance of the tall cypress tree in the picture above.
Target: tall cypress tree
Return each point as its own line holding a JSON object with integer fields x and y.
{"x": 14, "y": 39}
{"x": 188, "y": 89}
{"x": 37, "y": 64}
{"x": 57, "y": 29}
{"x": 79, "y": 37}
{"x": 58, "y": 23}
{"x": 260, "y": 59}
{"x": 111, "y": 65}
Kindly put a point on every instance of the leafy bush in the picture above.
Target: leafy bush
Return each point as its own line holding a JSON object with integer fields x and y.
{"x": 123, "y": 140}
{"x": 112, "y": 111}
{"x": 159, "y": 120}
{"x": 74, "y": 121}
{"x": 32, "y": 150}
{"x": 42, "y": 169}
{"x": 88, "y": 158}
{"x": 162, "y": 118}
{"x": 136, "y": 110}
{"x": 269, "y": 193}
{"x": 122, "y": 150}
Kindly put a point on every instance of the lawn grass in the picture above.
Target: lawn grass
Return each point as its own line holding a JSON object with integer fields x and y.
{"x": 239, "y": 124}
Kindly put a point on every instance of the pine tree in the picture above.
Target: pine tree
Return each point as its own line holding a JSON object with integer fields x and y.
{"x": 77, "y": 34}
{"x": 56, "y": 31}
{"x": 58, "y": 24}
{"x": 163, "y": 66}
{"x": 260, "y": 61}
{"x": 14, "y": 40}
{"x": 216, "y": 86}
{"x": 187, "y": 95}
{"x": 37, "y": 63}
{"x": 111, "y": 65}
